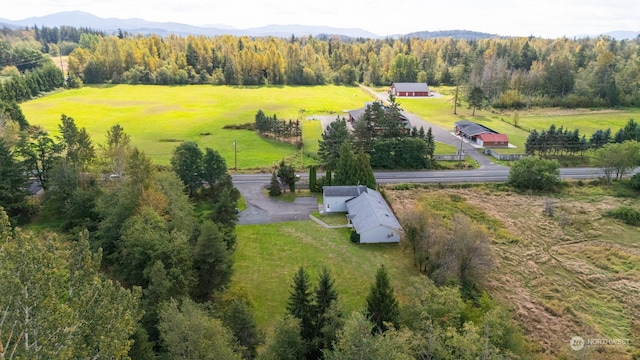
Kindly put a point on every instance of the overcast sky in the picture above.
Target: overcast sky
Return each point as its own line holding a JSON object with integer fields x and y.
{"x": 545, "y": 18}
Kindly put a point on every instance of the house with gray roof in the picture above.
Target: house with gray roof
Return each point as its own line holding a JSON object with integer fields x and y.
{"x": 356, "y": 115}
{"x": 367, "y": 211}
{"x": 480, "y": 134}
{"x": 335, "y": 198}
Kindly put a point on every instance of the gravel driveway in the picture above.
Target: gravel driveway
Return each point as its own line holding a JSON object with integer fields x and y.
{"x": 262, "y": 209}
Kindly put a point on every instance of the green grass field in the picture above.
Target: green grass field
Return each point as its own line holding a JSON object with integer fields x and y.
{"x": 158, "y": 117}
{"x": 440, "y": 112}
{"x": 267, "y": 257}
{"x": 587, "y": 121}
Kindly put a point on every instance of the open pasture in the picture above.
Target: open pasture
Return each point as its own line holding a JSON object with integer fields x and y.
{"x": 587, "y": 121}
{"x": 267, "y": 257}
{"x": 439, "y": 111}
{"x": 159, "y": 117}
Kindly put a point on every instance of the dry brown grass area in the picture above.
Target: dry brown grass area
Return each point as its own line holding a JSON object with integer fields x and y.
{"x": 573, "y": 273}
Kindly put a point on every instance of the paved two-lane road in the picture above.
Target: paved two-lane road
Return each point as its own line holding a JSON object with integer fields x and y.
{"x": 261, "y": 209}
{"x": 487, "y": 174}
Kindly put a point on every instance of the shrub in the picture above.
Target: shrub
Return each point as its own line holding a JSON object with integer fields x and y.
{"x": 626, "y": 214}
{"x": 274, "y": 187}
{"x": 320, "y": 183}
{"x": 531, "y": 173}
{"x": 634, "y": 181}
{"x": 355, "y": 237}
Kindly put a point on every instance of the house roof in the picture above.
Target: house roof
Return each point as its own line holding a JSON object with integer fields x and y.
{"x": 370, "y": 210}
{"x": 344, "y": 191}
{"x": 494, "y": 138}
{"x": 356, "y": 115}
{"x": 411, "y": 87}
{"x": 472, "y": 129}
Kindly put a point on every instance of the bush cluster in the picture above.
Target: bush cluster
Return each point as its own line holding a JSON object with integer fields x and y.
{"x": 628, "y": 215}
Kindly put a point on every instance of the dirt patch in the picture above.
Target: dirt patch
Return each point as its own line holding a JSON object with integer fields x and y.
{"x": 568, "y": 272}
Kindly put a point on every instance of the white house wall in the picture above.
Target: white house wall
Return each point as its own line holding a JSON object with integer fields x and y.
{"x": 380, "y": 234}
{"x": 335, "y": 203}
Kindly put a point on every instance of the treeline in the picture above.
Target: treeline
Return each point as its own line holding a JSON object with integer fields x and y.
{"x": 513, "y": 72}
{"x": 271, "y": 126}
{"x": 560, "y": 141}
{"x": 316, "y": 326}
{"x": 61, "y": 40}
{"x": 141, "y": 221}
{"x": 31, "y": 83}
{"x": 27, "y": 70}
{"x": 381, "y": 133}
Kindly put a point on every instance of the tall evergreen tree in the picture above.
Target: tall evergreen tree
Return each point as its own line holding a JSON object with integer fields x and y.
{"x": 332, "y": 139}
{"x": 475, "y": 98}
{"x": 325, "y": 293}
{"x": 326, "y": 318}
{"x": 431, "y": 144}
{"x": 239, "y": 317}
{"x": 363, "y": 171}
{"x": 287, "y": 176}
{"x": 14, "y": 112}
{"x": 382, "y": 306}
{"x": 13, "y": 196}
{"x": 345, "y": 167}
{"x": 212, "y": 261}
{"x": 77, "y": 142}
{"x": 274, "y": 186}
{"x": 391, "y": 125}
{"x": 313, "y": 178}
{"x": 299, "y": 304}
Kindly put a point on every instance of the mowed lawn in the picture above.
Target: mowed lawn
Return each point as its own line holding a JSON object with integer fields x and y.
{"x": 586, "y": 121}
{"x": 268, "y": 256}
{"x": 159, "y": 117}
{"x": 439, "y": 111}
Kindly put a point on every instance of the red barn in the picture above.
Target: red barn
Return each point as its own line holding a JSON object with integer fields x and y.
{"x": 492, "y": 140}
{"x": 409, "y": 89}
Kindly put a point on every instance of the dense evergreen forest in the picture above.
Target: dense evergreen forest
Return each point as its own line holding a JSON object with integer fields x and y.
{"x": 512, "y": 72}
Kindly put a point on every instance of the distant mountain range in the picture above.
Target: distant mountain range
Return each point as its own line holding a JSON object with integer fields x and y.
{"x": 111, "y": 25}
{"x": 457, "y": 34}
{"x": 140, "y": 26}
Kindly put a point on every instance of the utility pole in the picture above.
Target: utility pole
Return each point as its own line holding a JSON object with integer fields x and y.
{"x": 235, "y": 154}
{"x": 460, "y": 150}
